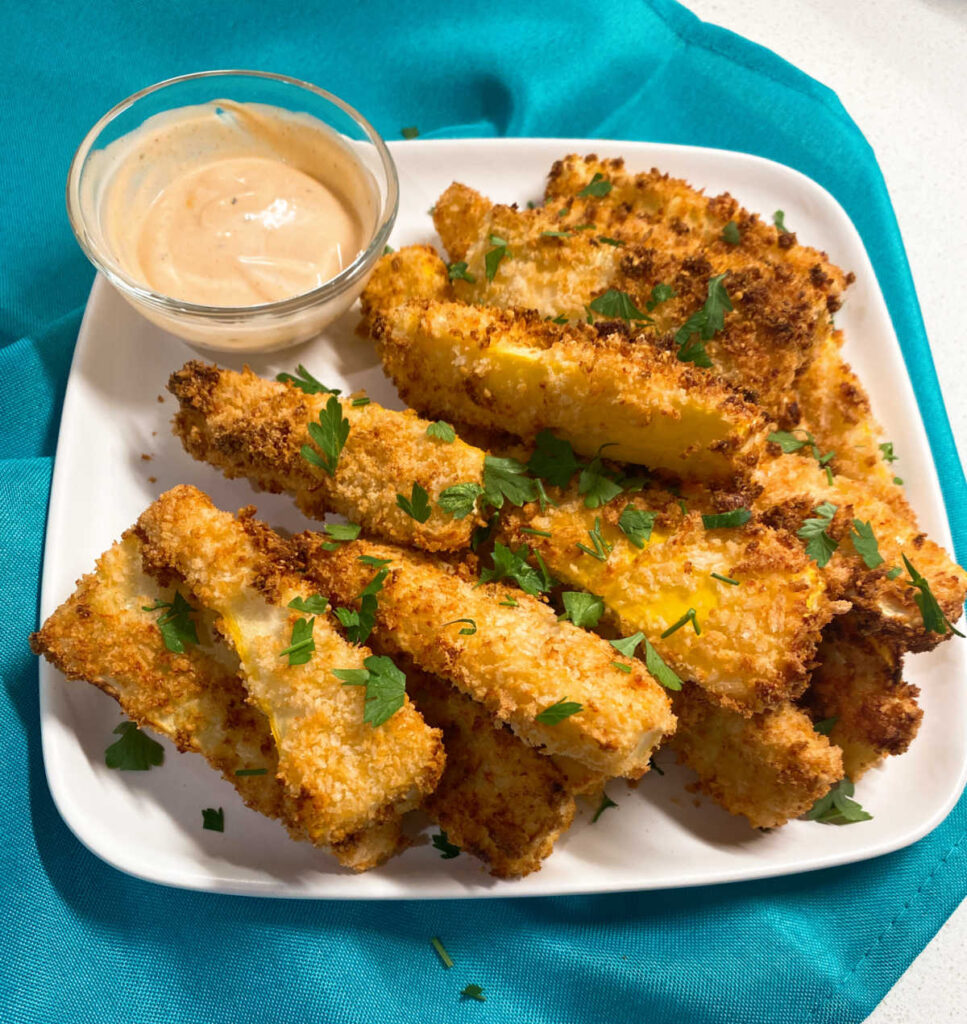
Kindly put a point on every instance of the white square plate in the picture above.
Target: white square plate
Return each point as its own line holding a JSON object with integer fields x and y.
{"x": 149, "y": 824}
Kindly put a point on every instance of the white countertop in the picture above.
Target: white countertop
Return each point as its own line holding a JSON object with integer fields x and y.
{"x": 900, "y": 69}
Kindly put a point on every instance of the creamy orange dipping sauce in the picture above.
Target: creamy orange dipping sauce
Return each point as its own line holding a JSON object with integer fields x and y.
{"x": 230, "y": 204}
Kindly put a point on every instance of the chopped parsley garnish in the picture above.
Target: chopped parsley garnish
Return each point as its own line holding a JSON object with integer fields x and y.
{"x": 727, "y": 520}
{"x": 703, "y": 324}
{"x": 610, "y": 241}
{"x": 359, "y": 624}
{"x": 447, "y": 849}
{"x": 468, "y": 630}
{"x": 606, "y": 802}
{"x": 659, "y": 670}
{"x": 627, "y": 645}
{"x": 898, "y": 481}
{"x": 242, "y": 772}
{"x": 304, "y": 380}
{"x": 836, "y": 808}
{"x": 373, "y": 560}
{"x": 731, "y": 234}
{"x": 494, "y": 256}
{"x": 555, "y": 713}
{"x": 894, "y": 572}
{"x": 459, "y": 272}
{"x": 482, "y": 534}
{"x": 387, "y": 249}
{"x": 342, "y": 531}
{"x": 789, "y": 443}
{"x": 442, "y": 431}
{"x": 330, "y": 434}
{"x": 553, "y": 460}
{"x": 385, "y": 687}
{"x": 621, "y": 666}
{"x": 617, "y": 305}
{"x": 601, "y": 548}
{"x": 417, "y": 505}
{"x": 314, "y": 605}
{"x": 358, "y": 403}
{"x": 509, "y": 602}
{"x": 557, "y": 234}
{"x": 582, "y": 609}
{"x": 886, "y": 448}
{"x": 636, "y": 524}
{"x": 779, "y": 219}
{"x": 513, "y": 565}
{"x": 302, "y": 646}
{"x": 819, "y": 545}
{"x": 135, "y": 751}
{"x": 213, "y": 819}
{"x": 596, "y": 485}
{"x": 659, "y": 294}
{"x": 474, "y": 992}
{"x": 441, "y": 952}
{"x": 506, "y": 478}
{"x": 826, "y": 726}
{"x": 460, "y": 499}
{"x": 865, "y": 543}
{"x": 583, "y": 227}
{"x": 175, "y": 626}
{"x": 934, "y": 620}
{"x": 598, "y": 187}
{"x": 410, "y": 132}
{"x": 724, "y": 579}
{"x": 560, "y": 319}
{"x": 535, "y": 533}
{"x": 690, "y": 616}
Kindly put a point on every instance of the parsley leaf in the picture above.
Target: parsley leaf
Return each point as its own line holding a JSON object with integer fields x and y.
{"x": 447, "y": 849}
{"x": 474, "y": 992}
{"x": 724, "y": 520}
{"x": 555, "y": 713}
{"x": 826, "y": 726}
{"x": 621, "y": 666}
{"x": 213, "y": 820}
{"x": 330, "y": 434}
{"x": 690, "y": 616}
{"x": 175, "y": 626}
{"x": 553, "y": 460}
{"x": 314, "y": 605}
{"x": 385, "y": 687}
{"x": 358, "y": 403}
{"x": 557, "y": 234}
{"x": 373, "y": 560}
{"x": 251, "y": 771}
{"x": 636, "y": 524}
{"x": 659, "y": 670}
{"x": 789, "y": 443}
{"x": 934, "y": 620}
{"x": 610, "y": 241}
{"x": 416, "y": 506}
{"x": 617, "y": 305}
{"x": 305, "y": 382}
{"x": 135, "y": 751}
{"x": 460, "y": 499}
{"x": 359, "y": 624}
{"x": 894, "y": 572}
{"x": 596, "y": 485}
{"x": 493, "y": 257}
{"x": 410, "y": 132}
{"x": 598, "y": 187}
{"x": 659, "y": 294}
{"x": 779, "y": 219}
{"x": 507, "y": 478}
{"x": 703, "y": 324}
{"x": 458, "y": 271}
{"x": 442, "y": 431}
{"x": 467, "y": 630}
{"x": 628, "y": 644}
{"x": 866, "y": 544}
{"x": 606, "y": 802}
{"x": 601, "y": 548}
{"x": 301, "y": 646}
{"x": 342, "y": 531}
{"x": 731, "y": 234}
{"x": 513, "y": 565}
{"x": 836, "y": 808}
{"x": 583, "y": 609}
{"x": 887, "y": 450}
{"x": 820, "y": 546}
{"x": 509, "y": 602}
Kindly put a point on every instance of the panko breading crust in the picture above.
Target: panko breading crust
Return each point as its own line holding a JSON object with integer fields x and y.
{"x": 353, "y": 774}
{"x": 858, "y": 681}
{"x": 517, "y": 662}
{"x": 102, "y": 635}
{"x": 769, "y": 768}
{"x": 758, "y": 638}
{"x": 254, "y": 428}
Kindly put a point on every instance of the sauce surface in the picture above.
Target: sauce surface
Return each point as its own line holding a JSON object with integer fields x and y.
{"x": 231, "y": 204}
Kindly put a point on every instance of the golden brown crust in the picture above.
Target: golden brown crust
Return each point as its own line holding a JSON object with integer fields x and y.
{"x": 254, "y": 428}
{"x": 517, "y": 662}
{"x": 769, "y": 768}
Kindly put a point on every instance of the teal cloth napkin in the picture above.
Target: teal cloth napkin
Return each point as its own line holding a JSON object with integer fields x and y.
{"x": 82, "y": 942}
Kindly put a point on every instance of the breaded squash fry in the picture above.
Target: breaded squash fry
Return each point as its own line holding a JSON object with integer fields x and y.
{"x": 498, "y": 798}
{"x": 517, "y": 661}
{"x": 758, "y": 635}
{"x": 516, "y": 372}
{"x": 351, "y": 774}
{"x": 250, "y": 427}
{"x": 101, "y": 634}
{"x": 769, "y": 768}
{"x": 858, "y": 683}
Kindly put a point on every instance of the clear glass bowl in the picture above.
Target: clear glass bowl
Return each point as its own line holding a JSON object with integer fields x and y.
{"x": 261, "y": 328}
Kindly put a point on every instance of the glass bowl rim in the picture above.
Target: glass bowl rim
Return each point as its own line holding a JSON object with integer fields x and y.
{"x": 327, "y": 290}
